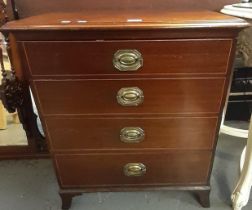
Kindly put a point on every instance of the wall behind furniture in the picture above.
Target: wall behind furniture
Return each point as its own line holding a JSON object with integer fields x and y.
{"x": 34, "y": 7}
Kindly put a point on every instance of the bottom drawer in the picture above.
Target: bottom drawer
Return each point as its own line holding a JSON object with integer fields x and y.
{"x": 148, "y": 168}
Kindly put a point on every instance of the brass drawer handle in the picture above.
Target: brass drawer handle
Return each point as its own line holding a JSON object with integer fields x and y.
{"x": 132, "y": 96}
{"x": 132, "y": 135}
{"x": 134, "y": 169}
{"x": 127, "y": 60}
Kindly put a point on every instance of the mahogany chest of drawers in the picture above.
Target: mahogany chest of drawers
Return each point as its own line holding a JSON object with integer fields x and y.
{"x": 129, "y": 100}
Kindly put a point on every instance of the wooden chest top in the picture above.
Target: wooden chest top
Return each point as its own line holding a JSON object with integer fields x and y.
{"x": 123, "y": 19}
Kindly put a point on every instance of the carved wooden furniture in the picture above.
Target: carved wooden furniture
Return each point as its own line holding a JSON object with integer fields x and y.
{"x": 36, "y": 144}
{"x": 3, "y": 113}
{"x": 129, "y": 99}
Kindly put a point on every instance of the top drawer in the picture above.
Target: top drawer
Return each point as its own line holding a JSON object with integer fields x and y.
{"x": 124, "y": 57}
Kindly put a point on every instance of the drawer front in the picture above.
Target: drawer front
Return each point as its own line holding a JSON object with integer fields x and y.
{"x": 130, "y": 133}
{"x": 151, "y": 96}
{"x": 98, "y": 57}
{"x": 161, "y": 168}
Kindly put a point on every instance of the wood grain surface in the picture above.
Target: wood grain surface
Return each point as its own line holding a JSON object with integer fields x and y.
{"x": 174, "y": 96}
{"x": 97, "y": 133}
{"x": 126, "y": 19}
{"x": 159, "y": 57}
{"x": 162, "y": 168}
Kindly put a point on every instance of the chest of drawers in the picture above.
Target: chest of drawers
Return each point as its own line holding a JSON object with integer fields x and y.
{"x": 129, "y": 100}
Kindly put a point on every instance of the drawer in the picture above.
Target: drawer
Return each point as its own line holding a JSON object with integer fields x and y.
{"x": 149, "y": 168}
{"x": 66, "y": 133}
{"x": 202, "y": 95}
{"x": 157, "y": 57}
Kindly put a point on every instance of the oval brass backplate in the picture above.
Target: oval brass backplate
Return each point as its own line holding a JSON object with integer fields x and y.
{"x": 131, "y": 96}
{"x": 134, "y": 169}
{"x": 128, "y": 60}
{"x": 132, "y": 135}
